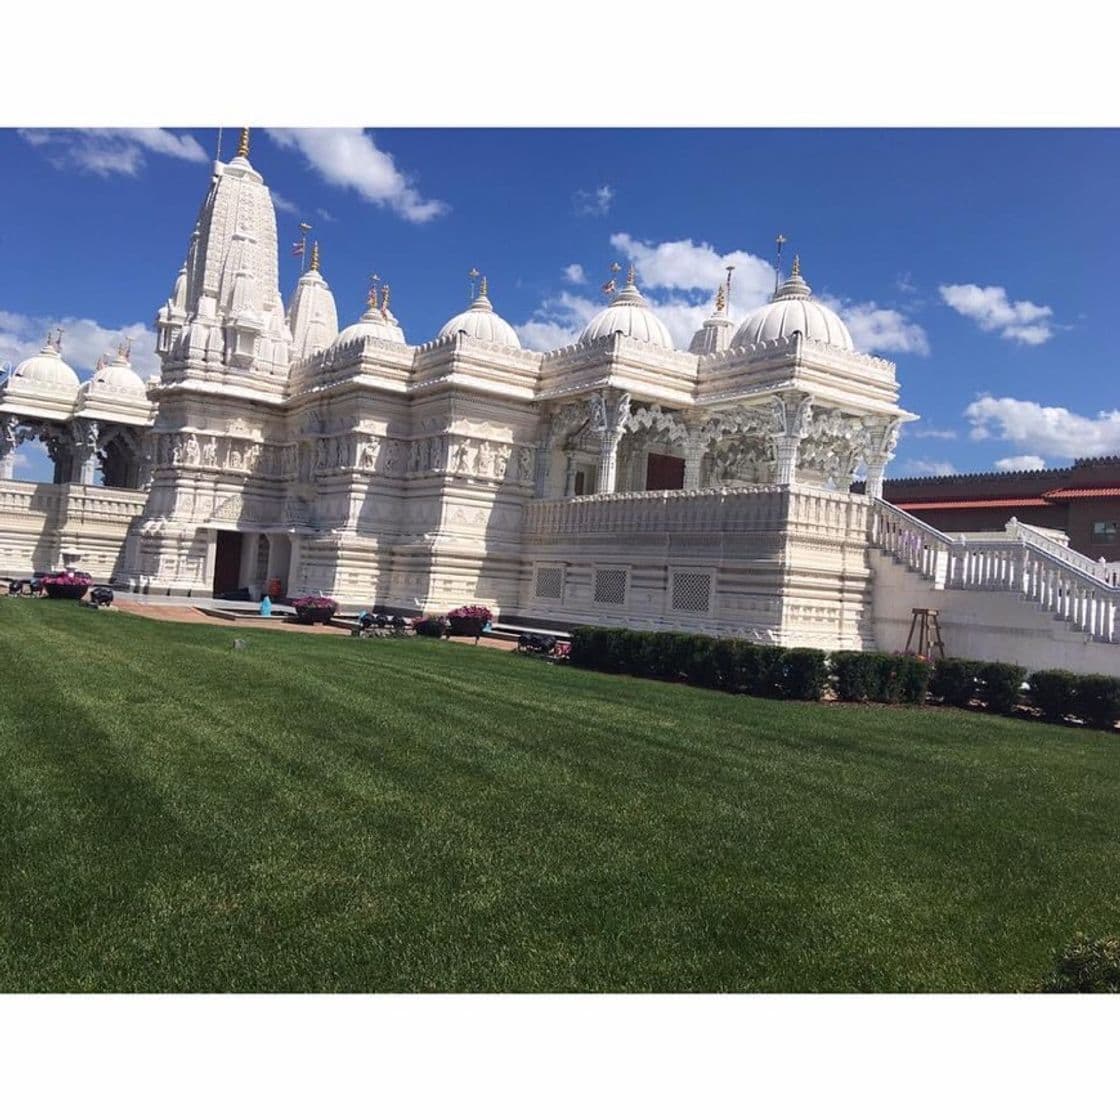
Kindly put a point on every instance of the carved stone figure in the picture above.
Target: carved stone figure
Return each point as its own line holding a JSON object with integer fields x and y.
{"x": 192, "y": 452}
{"x": 210, "y": 453}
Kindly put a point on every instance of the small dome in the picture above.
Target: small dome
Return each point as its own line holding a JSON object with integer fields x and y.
{"x": 46, "y": 370}
{"x": 118, "y": 377}
{"x": 375, "y": 323}
{"x": 481, "y": 321}
{"x": 628, "y": 314}
{"x": 792, "y": 310}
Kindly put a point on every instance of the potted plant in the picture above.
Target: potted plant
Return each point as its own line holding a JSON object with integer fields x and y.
{"x": 66, "y": 585}
{"x": 314, "y": 608}
{"x": 469, "y": 622}
{"x": 430, "y": 626}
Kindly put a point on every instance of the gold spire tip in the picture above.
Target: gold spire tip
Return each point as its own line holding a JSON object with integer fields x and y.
{"x": 315, "y": 256}
{"x": 721, "y": 299}
{"x": 630, "y": 274}
{"x": 796, "y": 265}
{"x": 385, "y": 299}
{"x": 483, "y": 288}
{"x": 243, "y": 145}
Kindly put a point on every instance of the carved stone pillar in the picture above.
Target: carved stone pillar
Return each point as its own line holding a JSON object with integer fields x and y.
{"x": 695, "y": 445}
{"x": 569, "y": 474}
{"x": 609, "y": 410}
{"x": 83, "y": 465}
{"x": 791, "y": 414}
{"x": 881, "y": 441}
{"x": 10, "y": 439}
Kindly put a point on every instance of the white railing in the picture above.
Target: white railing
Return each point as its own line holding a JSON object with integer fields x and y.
{"x": 1068, "y": 585}
{"x": 711, "y": 510}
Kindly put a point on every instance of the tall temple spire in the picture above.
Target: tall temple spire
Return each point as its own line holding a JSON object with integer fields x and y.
{"x": 243, "y": 145}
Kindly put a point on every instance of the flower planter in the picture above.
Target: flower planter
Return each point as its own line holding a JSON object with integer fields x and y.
{"x": 65, "y": 590}
{"x": 465, "y": 627}
{"x": 311, "y": 615}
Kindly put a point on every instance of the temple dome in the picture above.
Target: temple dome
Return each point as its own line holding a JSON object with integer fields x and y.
{"x": 377, "y": 322}
{"x": 46, "y": 370}
{"x": 628, "y": 314}
{"x": 119, "y": 377}
{"x": 481, "y": 321}
{"x": 793, "y": 310}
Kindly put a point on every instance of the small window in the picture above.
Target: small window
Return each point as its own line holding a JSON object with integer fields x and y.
{"x": 550, "y": 583}
{"x": 580, "y": 484}
{"x": 1104, "y": 532}
{"x": 692, "y": 592}
{"x": 610, "y": 586}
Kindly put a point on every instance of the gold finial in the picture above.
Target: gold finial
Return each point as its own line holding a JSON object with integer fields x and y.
{"x": 630, "y": 274}
{"x": 385, "y": 300}
{"x": 315, "y": 256}
{"x": 58, "y": 338}
{"x": 721, "y": 300}
{"x": 483, "y": 288}
{"x": 796, "y": 266}
{"x": 243, "y": 145}
{"x": 371, "y": 299}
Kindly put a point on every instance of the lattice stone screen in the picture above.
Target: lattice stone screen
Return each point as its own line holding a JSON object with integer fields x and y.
{"x": 610, "y": 585}
{"x": 692, "y": 592}
{"x": 550, "y": 583}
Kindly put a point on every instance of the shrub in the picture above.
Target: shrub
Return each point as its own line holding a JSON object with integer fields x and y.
{"x": 954, "y": 680}
{"x": 1097, "y": 700}
{"x": 1086, "y": 965}
{"x": 1001, "y": 685}
{"x": 1053, "y": 690}
{"x": 757, "y": 669}
{"x": 897, "y": 678}
{"x": 431, "y": 626}
{"x": 803, "y": 673}
{"x": 699, "y": 660}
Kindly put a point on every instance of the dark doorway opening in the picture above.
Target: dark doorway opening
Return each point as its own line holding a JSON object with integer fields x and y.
{"x": 664, "y": 472}
{"x": 227, "y": 562}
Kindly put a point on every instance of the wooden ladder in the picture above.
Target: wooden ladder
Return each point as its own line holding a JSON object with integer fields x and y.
{"x": 924, "y": 620}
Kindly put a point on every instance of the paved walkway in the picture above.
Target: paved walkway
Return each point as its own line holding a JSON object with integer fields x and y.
{"x": 162, "y": 612}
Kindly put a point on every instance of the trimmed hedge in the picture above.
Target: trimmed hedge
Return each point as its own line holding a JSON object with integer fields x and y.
{"x": 1097, "y": 700}
{"x": 887, "y": 678}
{"x": 1001, "y": 686}
{"x": 954, "y": 681}
{"x": 725, "y": 663}
{"x": 739, "y": 666}
{"x": 1053, "y": 691}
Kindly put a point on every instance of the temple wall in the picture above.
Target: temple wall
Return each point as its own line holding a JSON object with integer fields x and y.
{"x": 44, "y": 525}
{"x": 779, "y": 564}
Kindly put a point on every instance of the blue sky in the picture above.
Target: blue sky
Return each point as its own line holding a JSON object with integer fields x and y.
{"x": 978, "y": 261}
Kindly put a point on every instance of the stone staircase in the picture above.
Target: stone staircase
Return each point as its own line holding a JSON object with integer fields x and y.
{"x": 1018, "y": 561}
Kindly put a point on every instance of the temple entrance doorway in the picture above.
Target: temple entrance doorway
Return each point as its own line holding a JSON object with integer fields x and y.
{"x": 664, "y": 472}
{"x": 227, "y": 562}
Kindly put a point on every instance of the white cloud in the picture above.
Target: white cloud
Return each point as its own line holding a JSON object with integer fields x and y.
{"x": 326, "y": 215}
{"x": 1045, "y": 430}
{"x": 679, "y": 280}
{"x": 574, "y": 274}
{"x": 991, "y": 310}
{"x": 913, "y": 468}
{"x": 1021, "y": 463}
{"x": 112, "y": 151}
{"x": 877, "y": 330}
{"x": 929, "y": 433}
{"x": 596, "y": 202}
{"x": 283, "y": 204}
{"x": 83, "y": 341}
{"x": 348, "y": 158}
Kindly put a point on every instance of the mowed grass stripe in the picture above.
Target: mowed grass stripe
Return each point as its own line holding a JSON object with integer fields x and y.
{"x": 310, "y": 815}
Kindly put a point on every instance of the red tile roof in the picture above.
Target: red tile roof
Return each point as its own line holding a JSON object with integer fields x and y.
{"x": 975, "y": 503}
{"x": 1084, "y": 492}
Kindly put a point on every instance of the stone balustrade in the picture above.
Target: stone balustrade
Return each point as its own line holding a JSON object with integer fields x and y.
{"x": 1021, "y": 560}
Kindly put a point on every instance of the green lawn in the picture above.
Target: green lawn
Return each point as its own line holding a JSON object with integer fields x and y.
{"x": 313, "y": 814}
